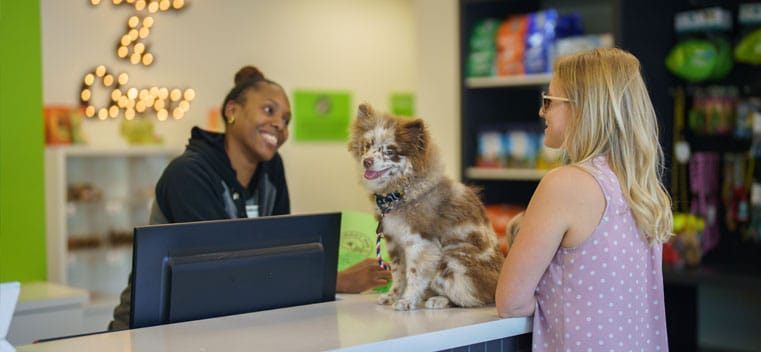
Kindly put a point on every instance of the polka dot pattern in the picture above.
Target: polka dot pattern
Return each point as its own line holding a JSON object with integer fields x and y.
{"x": 607, "y": 293}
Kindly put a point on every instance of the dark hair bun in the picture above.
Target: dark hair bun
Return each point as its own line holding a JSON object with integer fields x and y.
{"x": 248, "y": 73}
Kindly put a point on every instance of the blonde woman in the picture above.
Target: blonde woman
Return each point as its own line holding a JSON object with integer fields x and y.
{"x": 586, "y": 261}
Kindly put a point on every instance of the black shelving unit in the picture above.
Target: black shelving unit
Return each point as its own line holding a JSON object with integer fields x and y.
{"x": 635, "y": 25}
{"x": 515, "y": 99}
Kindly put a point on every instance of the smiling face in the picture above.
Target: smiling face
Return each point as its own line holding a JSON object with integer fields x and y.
{"x": 381, "y": 158}
{"x": 388, "y": 149}
{"x": 557, "y": 115}
{"x": 260, "y": 122}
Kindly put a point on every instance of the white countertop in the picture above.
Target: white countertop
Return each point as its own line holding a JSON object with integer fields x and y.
{"x": 351, "y": 323}
{"x": 43, "y": 295}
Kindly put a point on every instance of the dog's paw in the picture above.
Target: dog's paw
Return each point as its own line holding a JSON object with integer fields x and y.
{"x": 512, "y": 228}
{"x": 437, "y": 302}
{"x": 385, "y": 299}
{"x": 404, "y": 304}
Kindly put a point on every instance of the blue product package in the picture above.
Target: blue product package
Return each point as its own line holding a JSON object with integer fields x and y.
{"x": 540, "y": 40}
{"x": 568, "y": 26}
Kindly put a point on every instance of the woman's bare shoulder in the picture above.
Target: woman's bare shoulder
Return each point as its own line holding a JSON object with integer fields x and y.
{"x": 569, "y": 176}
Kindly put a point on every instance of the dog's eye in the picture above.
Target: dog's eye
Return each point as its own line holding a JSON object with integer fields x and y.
{"x": 389, "y": 152}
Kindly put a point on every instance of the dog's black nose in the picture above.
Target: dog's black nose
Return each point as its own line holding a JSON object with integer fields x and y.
{"x": 367, "y": 162}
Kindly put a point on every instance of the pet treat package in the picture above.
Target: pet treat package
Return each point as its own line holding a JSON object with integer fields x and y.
{"x": 748, "y": 49}
{"x": 713, "y": 110}
{"x": 748, "y": 118}
{"x": 704, "y": 51}
{"x": 549, "y": 158}
{"x": 511, "y": 44}
{"x": 482, "y": 49}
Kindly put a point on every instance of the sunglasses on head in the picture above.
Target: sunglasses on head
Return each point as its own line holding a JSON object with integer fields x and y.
{"x": 547, "y": 100}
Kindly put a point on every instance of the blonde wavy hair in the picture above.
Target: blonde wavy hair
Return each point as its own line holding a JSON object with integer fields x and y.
{"x": 615, "y": 117}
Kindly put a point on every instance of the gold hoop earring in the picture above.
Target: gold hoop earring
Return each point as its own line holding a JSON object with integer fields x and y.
{"x": 231, "y": 120}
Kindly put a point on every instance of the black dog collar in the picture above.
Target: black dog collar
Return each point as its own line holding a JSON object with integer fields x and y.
{"x": 388, "y": 201}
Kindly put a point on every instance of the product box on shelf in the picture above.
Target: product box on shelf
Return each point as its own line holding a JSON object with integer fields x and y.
{"x": 63, "y": 124}
{"x": 514, "y": 145}
{"x": 579, "y": 43}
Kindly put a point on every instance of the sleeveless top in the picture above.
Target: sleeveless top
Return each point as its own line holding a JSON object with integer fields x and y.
{"x": 605, "y": 294}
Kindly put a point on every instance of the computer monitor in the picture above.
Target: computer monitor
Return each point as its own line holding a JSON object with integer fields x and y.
{"x": 198, "y": 270}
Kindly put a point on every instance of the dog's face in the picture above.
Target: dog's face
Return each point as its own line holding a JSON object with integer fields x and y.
{"x": 388, "y": 149}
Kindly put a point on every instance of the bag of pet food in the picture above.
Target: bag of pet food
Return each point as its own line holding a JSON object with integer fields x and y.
{"x": 511, "y": 44}
{"x": 540, "y": 41}
{"x": 482, "y": 49}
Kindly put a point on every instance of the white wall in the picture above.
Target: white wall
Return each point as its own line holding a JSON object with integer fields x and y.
{"x": 369, "y": 47}
{"x": 438, "y": 88}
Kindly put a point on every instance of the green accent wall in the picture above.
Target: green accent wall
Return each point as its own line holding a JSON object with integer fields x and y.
{"x": 22, "y": 181}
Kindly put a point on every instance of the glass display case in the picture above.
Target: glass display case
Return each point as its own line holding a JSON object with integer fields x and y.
{"x": 94, "y": 199}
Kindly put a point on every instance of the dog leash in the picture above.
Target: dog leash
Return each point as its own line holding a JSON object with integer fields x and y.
{"x": 378, "y": 236}
{"x": 385, "y": 202}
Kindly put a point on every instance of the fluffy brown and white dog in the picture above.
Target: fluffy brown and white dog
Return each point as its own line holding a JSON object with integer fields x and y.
{"x": 442, "y": 246}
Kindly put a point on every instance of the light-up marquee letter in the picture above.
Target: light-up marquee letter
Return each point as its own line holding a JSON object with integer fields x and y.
{"x": 132, "y": 47}
{"x": 161, "y": 101}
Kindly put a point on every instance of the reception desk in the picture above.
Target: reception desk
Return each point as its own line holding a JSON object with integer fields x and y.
{"x": 351, "y": 323}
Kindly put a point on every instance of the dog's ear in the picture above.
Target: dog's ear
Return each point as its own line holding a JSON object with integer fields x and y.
{"x": 365, "y": 111}
{"x": 362, "y": 123}
{"x": 415, "y": 133}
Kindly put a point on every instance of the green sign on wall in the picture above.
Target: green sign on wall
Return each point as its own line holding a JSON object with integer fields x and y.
{"x": 403, "y": 104}
{"x": 321, "y": 116}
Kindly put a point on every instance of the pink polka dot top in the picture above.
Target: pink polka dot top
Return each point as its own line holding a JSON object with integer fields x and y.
{"x": 607, "y": 293}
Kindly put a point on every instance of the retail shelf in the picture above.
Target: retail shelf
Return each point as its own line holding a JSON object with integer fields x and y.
{"x": 508, "y": 81}
{"x": 484, "y": 173}
{"x": 94, "y": 197}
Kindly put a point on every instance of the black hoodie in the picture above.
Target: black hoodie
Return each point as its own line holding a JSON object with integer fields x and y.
{"x": 201, "y": 184}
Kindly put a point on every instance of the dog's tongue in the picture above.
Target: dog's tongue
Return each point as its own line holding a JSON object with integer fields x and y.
{"x": 371, "y": 175}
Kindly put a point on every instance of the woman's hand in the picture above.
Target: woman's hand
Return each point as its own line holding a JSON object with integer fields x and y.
{"x": 361, "y": 277}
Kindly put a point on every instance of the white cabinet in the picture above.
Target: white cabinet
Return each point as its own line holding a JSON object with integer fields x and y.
{"x": 47, "y": 310}
{"x": 94, "y": 199}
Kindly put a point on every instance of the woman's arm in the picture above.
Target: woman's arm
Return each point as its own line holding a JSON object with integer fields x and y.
{"x": 553, "y": 210}
{"x": 361, "y": 277}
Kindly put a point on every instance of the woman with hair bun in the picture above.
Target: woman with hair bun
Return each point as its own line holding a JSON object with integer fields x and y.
{"x": 238, "y": 174}
{"x": 235, "y": 174}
